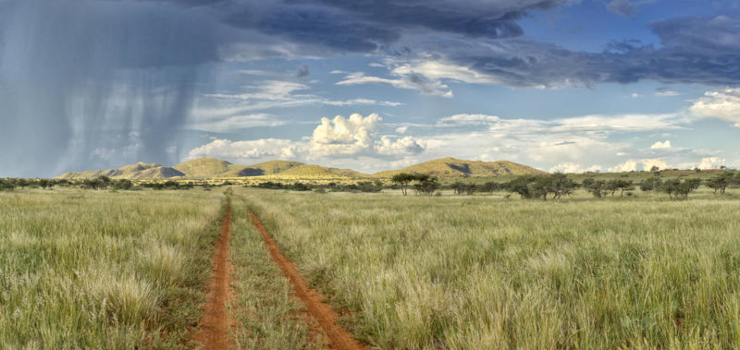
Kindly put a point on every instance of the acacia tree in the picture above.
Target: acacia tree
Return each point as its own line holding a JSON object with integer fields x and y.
{"x": 490, "y": 187}
{"x": 597, "y": 188}
{"x": 677, "y": 189}
{"x": 720, "y": 182}
{"x": 403, "y": 180}
{"x": 426, "y": 184}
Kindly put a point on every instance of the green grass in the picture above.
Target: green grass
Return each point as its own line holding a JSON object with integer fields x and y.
{"x": 268, "y": 315}
{"x": 102, "y": 270}
{"x": 488, "y": 273}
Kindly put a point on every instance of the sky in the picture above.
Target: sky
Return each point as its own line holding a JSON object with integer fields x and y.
{"x": 370, "y": 85}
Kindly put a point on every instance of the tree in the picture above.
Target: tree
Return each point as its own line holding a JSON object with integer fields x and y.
{"x": 403, "y": 180}
{"x": 677, "y": 189}
{"x": 123, "y": 184}
{"x": 621, "y": 185}
{"x": 490, "y": 187}
{"x": 522, "y": 185}
{"x": 7, "y": 185}
{"x": 596, "y": 187}
{"x": 470, "y": 189}
{"x": 458, "y": 188}
{"x": 46, "y": 184}
{"x": 426, "y": 185}
{"x": 720, "y": 182}
{"x": 562, "y": 185}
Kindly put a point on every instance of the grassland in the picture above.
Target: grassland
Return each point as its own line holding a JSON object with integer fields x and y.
{"x": 103, "y": 270}
{"x": 483, "y": 272}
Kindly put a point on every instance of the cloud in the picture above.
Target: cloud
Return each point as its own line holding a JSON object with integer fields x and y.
{"x": 624, "y": 8}
{"x": 353, "y": 136}
{"x": 247, "y": 151}
{"x": 661, "y": 145}
{"x": 303, "y": 71}
{"x": 724, "y": 105}
{"x": 640, "y": 164}
{"x": 711, "y": 163}
{"x": 269, "y": 94}
{"x": 589, "y": 123}
{"x": 409, "y": 82}
{"x": 338, "y": 138}
{"x": 468, "y": 119}
{"x": 574, "y": 168}
{"x": 362, "y": 102}
{"x": 231, "y": 124}
{"x": 402, "y": 129}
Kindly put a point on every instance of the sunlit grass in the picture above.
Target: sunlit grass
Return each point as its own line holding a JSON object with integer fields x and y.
{"x": 489, "y": 273}
{"x": 102, "y": 270}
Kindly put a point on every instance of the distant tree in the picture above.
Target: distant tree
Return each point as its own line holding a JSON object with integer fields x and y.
{"x": 7, "y": 185}
{"x": 562, "y": 185}
{"x": 426, "y": 185}
{"x": 46, "y": 184}
{"x": 720, "y": 182}
{"x": 403, "y": 180}
{"x": 677, "y": 189}
{"x": 651, "y": 184}
{"x": 470, "y": 189}
{"x": 697, "y": 170}
{"x": 458, "y": 188}
{"x": 490, "y": 187}
{"x": 522, "y": 185}
{"x": 622, "y": 185}
{"x": 123, "y": 184}
{"x": 596, "y": 187}
{"x": 22, "y": 183}
{"x": 654, "y": 169}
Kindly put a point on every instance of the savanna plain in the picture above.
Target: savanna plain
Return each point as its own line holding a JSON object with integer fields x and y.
{"x": 85, "y": 269}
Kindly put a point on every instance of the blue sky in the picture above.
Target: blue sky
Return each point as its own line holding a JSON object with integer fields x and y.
{"x": 561, "y": 85}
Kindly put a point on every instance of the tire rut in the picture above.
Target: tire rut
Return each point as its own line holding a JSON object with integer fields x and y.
{"x": 339, "y": 338}
{"x": 214, "y": 326}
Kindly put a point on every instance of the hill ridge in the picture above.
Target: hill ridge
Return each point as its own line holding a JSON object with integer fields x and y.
{"x": 285, "y": 169}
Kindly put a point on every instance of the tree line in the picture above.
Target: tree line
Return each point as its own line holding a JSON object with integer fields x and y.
{"x": 555, "y": 186}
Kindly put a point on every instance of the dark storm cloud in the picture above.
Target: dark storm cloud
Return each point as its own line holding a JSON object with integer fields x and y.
{"x": 693, "y": 50}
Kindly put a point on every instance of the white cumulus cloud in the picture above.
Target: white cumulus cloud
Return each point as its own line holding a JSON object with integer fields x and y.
{"x": 661, "y": 145}
{"x": 711, "y": 163}
{"x": 724, "y": 105}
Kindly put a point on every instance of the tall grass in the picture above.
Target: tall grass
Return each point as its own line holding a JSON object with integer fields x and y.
{"x": 489, "y": 273}
{"x": 268, "y": 314}
{"x": 102, "y": 270}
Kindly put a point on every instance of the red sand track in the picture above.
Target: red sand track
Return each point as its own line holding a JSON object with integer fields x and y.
{"x": 213, "y": 332}
{"x": 339, "y": 338}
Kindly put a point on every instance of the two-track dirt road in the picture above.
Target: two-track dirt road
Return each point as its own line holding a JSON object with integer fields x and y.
{"x": 214, "y": 327}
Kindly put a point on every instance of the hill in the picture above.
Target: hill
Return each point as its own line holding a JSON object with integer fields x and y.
{"x": 281, "y": 169}
{"x": 307, "y": 170}
{"x": 451, "y": 167}
{"x": 267, "y": 168}
{"x": 138, "y": 171}
{"x": 205, "y": 167}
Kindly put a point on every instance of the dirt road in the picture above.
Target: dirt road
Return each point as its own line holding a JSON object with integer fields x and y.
{"x": 213, "y": 332}
{"x": 339, "y": 339}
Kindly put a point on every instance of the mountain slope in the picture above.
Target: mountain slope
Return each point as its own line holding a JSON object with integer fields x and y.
{"x": 138, "y": 171}
{"x": 307, "y": 170}
{"x": 205, "y": 167}
{"x": 281, "y": 169}
{"x": 451, "y": 167}
{"x": 267, "y": 168}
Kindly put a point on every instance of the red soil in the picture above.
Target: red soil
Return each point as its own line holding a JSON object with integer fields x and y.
{"x": 213, "y": 331}
{"x": 339, "y": 339}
